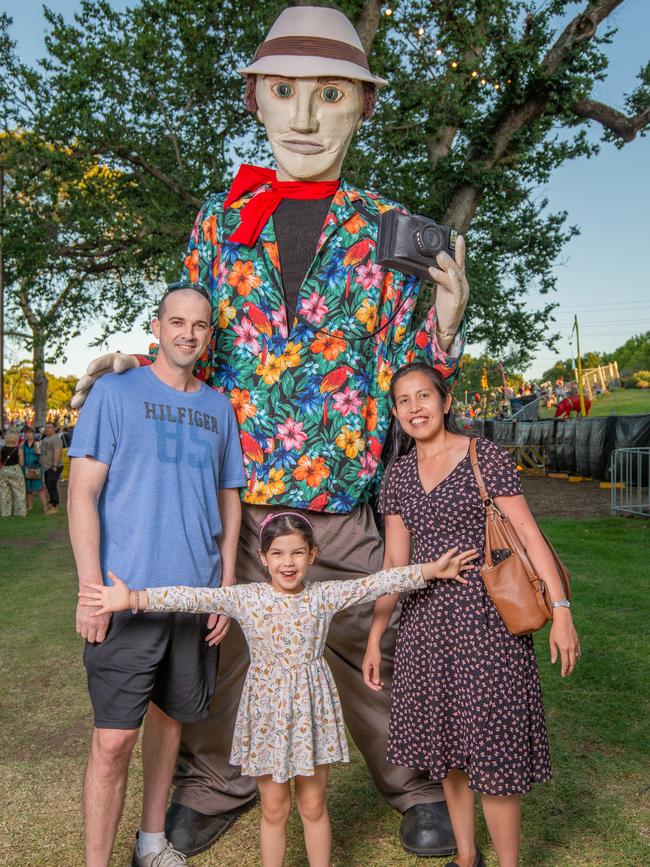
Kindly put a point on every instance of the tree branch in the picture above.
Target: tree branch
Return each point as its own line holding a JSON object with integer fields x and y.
{"x": 579, "y": 29}
{"x": 510, "y": 121}
{"x": 154, "y": 171}
{"x": 620, "y": 124}
{"x": 439, "y": 146}
{"x": 58, "y": 301}
{"x": 368, "y": 22}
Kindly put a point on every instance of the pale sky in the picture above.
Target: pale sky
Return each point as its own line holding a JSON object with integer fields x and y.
{"x": 602, "y": 275}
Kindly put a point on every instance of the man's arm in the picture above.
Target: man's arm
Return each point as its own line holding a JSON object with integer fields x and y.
{"x": 87, "y": 478}
{"x": 58, "y": 455}
{"x": 230, "y": 512}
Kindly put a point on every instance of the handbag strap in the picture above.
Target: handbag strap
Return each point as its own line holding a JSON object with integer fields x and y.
{"x": 473, "y": 457}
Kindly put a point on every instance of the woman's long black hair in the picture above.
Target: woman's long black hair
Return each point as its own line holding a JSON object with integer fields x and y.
{"x": 398, "y": 443}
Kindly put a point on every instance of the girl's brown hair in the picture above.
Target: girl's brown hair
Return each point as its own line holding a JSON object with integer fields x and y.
{"x": 285, "y": 524}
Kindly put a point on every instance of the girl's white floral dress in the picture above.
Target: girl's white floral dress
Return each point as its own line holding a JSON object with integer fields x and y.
{"x": 290, "y": 718}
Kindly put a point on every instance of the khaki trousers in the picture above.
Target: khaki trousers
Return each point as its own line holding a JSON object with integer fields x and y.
{"x": 12, "y": 492}
{"x": 349, "y": 547}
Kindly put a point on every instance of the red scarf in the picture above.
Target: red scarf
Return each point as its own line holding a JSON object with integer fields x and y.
{"x": 257, "y": 211}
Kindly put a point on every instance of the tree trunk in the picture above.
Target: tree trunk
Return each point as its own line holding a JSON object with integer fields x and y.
{"x": 39, "y": 399}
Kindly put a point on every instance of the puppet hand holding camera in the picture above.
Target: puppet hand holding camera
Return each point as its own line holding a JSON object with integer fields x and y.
{"x": 416, "y": 245}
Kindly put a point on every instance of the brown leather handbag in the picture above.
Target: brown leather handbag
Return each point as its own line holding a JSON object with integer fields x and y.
{"x": 516, "y": 590}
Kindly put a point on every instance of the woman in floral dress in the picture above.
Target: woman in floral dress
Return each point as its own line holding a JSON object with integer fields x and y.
{"x": 290, "y": 722}
{"x": 466, "y": 700}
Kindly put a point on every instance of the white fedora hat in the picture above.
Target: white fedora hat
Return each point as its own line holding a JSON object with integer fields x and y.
{"x": 312, "y": 41}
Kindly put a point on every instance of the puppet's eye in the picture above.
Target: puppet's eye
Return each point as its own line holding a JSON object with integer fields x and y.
{"x": 331, "y": 93}
{"x": 282, "y": 89}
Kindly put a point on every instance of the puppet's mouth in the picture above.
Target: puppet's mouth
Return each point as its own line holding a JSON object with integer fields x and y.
{"x": 302, "y": 146}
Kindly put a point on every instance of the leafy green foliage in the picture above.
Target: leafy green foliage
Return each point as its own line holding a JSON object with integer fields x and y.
{"x": 19, "y": 388}
{"x": 152, "y": 96}
{"x": 632, "y": 357}
{"x": 471, "y": 375}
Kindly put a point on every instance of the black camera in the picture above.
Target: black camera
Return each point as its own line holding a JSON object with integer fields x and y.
{"x": 410, "y": 244}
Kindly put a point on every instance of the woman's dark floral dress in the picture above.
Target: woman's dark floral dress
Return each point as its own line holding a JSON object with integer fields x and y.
{"x": 466, "y": 692}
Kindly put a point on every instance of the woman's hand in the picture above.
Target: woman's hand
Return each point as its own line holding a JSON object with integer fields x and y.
{"x": 449, "y": 566}
{"x": 106, "y": 599}
{"x": 564, "y": 638}
{"x": 371, "y": 666}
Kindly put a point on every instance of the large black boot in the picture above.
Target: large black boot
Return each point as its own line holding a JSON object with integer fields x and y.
{"x": 192, "y": 832}
{"x": 426, "y": 831}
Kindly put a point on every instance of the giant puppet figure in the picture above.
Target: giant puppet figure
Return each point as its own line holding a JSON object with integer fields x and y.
{"x": 308, "y": 331}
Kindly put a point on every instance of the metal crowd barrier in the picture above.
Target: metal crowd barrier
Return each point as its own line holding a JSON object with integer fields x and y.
{"x": 630, "y": 469}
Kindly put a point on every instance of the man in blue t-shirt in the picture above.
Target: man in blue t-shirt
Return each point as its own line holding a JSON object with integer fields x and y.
{"x": 153, "y": 498}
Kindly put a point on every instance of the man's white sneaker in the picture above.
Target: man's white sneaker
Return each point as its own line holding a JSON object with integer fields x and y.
{"x": 166, "y": 857}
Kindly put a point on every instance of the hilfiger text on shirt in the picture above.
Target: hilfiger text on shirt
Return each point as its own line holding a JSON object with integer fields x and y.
{"x": 180, "y": 415}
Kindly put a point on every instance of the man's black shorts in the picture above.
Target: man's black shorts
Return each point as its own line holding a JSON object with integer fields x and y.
{"x": 157, "y": 657}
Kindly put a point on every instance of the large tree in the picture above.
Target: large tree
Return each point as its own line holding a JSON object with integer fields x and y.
{"x": 486, "y": 98}
{"x": 65, "y": 263}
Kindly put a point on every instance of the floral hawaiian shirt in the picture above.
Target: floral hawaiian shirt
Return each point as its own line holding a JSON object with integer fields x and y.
{"x": 311, "y": 396}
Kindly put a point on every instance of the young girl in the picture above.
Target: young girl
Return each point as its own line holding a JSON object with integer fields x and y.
{"x": 466, "y": 700}
{"x": 289, "y": 724}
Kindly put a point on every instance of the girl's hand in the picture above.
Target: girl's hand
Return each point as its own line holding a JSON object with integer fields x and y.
{"x": 564, "y": 638}
{"x": 449, "y": 566}
{"x": 106, "y": 599}
{"x": 371, "y": 667}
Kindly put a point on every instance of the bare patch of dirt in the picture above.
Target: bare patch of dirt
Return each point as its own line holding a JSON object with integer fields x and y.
{"x": 70, "y": 743}
{"x": 559, "y": 498}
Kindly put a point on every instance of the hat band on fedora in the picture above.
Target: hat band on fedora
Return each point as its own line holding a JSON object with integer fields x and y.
{"x": 312, "y": 46}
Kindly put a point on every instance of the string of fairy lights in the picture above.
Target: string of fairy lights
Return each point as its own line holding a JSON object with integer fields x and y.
{"x": 454, "y": 64}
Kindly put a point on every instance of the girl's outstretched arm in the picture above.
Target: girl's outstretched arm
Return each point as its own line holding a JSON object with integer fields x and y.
{"x": 118, "y": 597}
{"x": 342, "y": 594}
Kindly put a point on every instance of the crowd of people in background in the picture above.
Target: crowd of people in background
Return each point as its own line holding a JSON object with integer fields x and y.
{"x": 31, "y": 462}
{"x": 500, "y": 403}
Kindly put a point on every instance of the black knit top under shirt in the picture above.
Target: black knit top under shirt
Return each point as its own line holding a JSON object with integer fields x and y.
{"x": 298, "y": 224}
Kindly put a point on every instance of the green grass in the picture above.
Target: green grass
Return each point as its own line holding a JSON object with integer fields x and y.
{"x": 622, "y": 401}
{"x": 594, "y": 812}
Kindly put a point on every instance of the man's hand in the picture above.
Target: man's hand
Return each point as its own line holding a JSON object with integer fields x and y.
{"x": 91, "y": 626}
{"x": 452, "y": 292}
{"x": 218, "y": 626}
{"x": 112, "y": 362}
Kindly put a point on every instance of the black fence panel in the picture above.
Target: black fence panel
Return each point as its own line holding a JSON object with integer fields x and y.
{"x": 601, "y": 443}
{"x": 632, "y": 431}
{"x": 565, "y": 441}
{"x": 504, "y": 432}
{"x": 582, "y": 445}
{"x": 582, "y": 451}
{"x": 522, "y": 433}
{"x": 546, "y": 429}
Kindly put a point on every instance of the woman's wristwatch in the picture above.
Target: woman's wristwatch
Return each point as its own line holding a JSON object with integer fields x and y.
{"x": 561, "y": 603}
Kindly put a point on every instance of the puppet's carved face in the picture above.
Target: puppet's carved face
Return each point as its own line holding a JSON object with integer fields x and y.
{"x": 310, "y": 123}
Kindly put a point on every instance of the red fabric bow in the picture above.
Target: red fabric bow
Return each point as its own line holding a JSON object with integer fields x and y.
{"x": 257, "y": 211}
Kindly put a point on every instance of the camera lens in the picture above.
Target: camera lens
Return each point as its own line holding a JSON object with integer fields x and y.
{"x": 429, "y": 241}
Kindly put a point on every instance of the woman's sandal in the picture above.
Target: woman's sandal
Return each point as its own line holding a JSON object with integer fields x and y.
{"x": 478, "y": 863}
